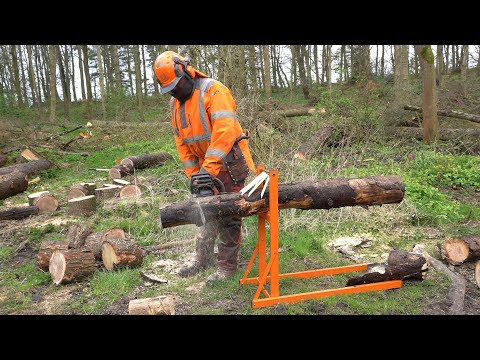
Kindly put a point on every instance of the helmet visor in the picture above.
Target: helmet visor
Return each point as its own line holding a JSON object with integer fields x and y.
{"x": 169, "y": 87}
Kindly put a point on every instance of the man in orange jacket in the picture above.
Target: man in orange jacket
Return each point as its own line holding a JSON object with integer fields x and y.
{"x": 212, "y": 145}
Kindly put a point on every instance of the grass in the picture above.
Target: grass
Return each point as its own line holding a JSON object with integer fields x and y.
{"x": 441, "y": 187}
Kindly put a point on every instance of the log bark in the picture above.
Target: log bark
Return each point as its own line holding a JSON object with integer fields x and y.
{"x": 121, "y": 253}
{"x": 77, "y": 233}
{"x": 160, "y": 305}
{"x": 45, "y": 202}
{"x": 82, "y": 206}
{"x": 146, "y": 160}
{"x": 463, "y": 249}
{"x": 71, "y": 265}
{"x": 456, "y": 292}
{"x": 80, "y": 190}
{"x": 28, "y": 168}
{"x": 114, "y": 234}
{"x": 17, "y": 213}
{"x": 120, "y": 170}
{"x": 315, "y": 142}
{"x": 327, "y": 194}
{"x": 448, "y": 113}
{"x": 131, "y": 191}
{"x": 12, "y": 184}
{"x": 106, "y": 193}
{"x": 401, "y": 265}
{"x": 93, "y": 242}
{"x": 3, "y": 160}
{"x": 444, "y": 133}
{"x": 477, "y": 273}
{"x": 47, "y": 248}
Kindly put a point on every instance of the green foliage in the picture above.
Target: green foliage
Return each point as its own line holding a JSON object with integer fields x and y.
{"x": 5, "y": 252}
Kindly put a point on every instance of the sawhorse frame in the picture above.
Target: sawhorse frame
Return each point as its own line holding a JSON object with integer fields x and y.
{"x": 269, "y": 272}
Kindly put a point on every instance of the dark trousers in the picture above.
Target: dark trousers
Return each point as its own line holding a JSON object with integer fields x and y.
{"x": 229, "y": 233}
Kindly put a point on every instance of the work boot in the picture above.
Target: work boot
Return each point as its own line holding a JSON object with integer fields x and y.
{"x": 204, "y": 246}
{"x": 219, "y": 275}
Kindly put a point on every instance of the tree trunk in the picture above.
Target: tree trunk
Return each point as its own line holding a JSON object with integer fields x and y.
{"x": 160, "y": 305}
{"x": 293, "y": 71}
{"x": 82, "y": 206}
{"x": 53, "y": 83}
{"x": 18, "y": 213}
{"x": 129, "y": 69}
{"x": 315, "y": 60}
{"x": 447, "y": 58}
{"x": 459, "y": 250}
{"x": 449, "y": 113}
{"x": 440, "y": 65}
{"x": 29, "y": 168}
{"x": 308, "y": 65}
{"x": 464, "y": 69}
{"x": 41, "y": 81}
{"x": 383, "y": 62}
{"x": 81, "y": 66}
{"x": 18, "y": 90}
{"x": 102, "y": 80}
{"x": 329, "y": 67}
{"x": 138, "y": 78}
{"x": 342, "y": 55}
{"x": 47, "y": 248}
{"x": 88, "y": 84}
{"x": 401, "y": 73}
{"x": 430, "y": 119}
{"x": 268, "y": 83}
{"x": 76, "y": 236}
{"x": 65, "y": 84}
{"x": 121, "y": 253}
{"x": 73, "y": 74}
{"x": 71, "y": 265}
{"x": 326, "y": 194}
{"x": 401, "y": 265}
{"x": 252, "y": 68}
{"x": 116, "y": 67}
{"x": 33, "y": 85}
{"x": 23, "y": 83}
{"x": 301, "y": 66}
{"x": 444, "y": 133}
{"x": 144, "y": 72}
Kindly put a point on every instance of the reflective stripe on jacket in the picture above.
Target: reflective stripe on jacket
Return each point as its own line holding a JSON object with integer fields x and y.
{"x": 206, "y": 126}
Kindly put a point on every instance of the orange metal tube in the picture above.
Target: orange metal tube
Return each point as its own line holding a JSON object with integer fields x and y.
{"x": 385, "y": 285}
{"x": 249, "y": 266}
{"x": 273, "y": 212}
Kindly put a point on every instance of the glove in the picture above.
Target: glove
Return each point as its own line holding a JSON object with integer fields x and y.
{"x": 201, "y": 184}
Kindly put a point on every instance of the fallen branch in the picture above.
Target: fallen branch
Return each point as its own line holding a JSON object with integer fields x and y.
{"x": 456, "y": 292}
{"x": 18, "y": 213}
{"x": 12, "y": 184}
{"x": 448, "y": 113}
{"x": 444, "y": 133}
{"x": 28, "y": 168}
{"x": 327, "y": 194}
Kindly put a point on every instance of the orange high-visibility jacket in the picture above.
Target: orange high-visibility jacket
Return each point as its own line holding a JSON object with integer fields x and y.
{"x": 206, "y": 126}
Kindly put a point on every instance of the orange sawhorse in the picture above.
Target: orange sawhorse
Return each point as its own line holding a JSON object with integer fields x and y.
{"x": 269, "y": 272}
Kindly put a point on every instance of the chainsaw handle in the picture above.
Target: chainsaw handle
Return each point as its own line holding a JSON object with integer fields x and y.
{"x": 219, "y": 185}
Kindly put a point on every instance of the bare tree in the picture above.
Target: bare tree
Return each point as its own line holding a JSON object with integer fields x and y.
{"x": 427, "y": 67}
{"x": 101, "y": 79}
{"x": 13, "y": 53}
{"x": 80, "y": 66}
{"x": 73, "y": 74}
{"x": 35, "y": 96}
{"x": 53, "y": 82}
{"x": 86, "y": 70}
{"x": 266, "y": 67}
{"x": 138, "y": 80}
{"x": 464, "y": 69}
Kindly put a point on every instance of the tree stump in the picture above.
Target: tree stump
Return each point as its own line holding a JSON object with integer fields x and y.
{"x": 12, "y": 184}
{"x": 47, "y": 248}
{"x": 81, "y": 190}
{"x": 121, "y": 253}
{"x": 130, "y": 191}
{"x": 45, "y": 202}
{"x": 77, "y": 235}
{"x": 160, "y": 305}
{"x": 82, "y": 206}
{"x": 71, "y": 265}
{"x": 106, "y": 193}
{"x": 462, "y": 249}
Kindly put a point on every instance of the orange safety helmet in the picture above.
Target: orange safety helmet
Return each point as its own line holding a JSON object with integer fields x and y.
{"x": 169, "y": 68}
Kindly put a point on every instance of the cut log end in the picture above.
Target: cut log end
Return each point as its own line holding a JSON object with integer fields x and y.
{"x": 477, "y": 273}
{"x": 130, "y": 191}
{"x": 46, "y": 204}
{"x": 456, "y": 250}
{"x": 57, "y": 267}
{"x": 109, "y": 257}
{"x": 115, "y": 173}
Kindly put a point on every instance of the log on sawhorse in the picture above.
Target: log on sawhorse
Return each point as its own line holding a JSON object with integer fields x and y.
{"x": 269, "y": 272}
